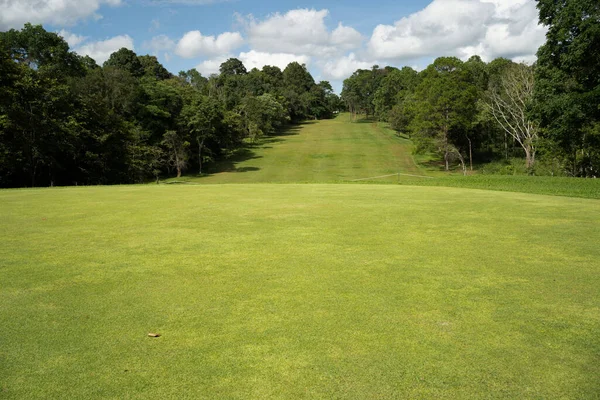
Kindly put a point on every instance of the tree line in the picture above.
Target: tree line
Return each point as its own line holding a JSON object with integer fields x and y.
{"x": 464, "y": 112}
{"x": 64, "y": 120}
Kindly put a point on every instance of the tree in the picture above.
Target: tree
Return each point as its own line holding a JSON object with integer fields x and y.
{"x": 176, "y": 148}
{"x": 233, "y": 66}
{"x": 567, "y": 88}
{"x": 201, "y": 117}
{"x": 508, "y": 101}
{"x": 126, "y": 60}
{"x": 444, "y": 106}
{"x": 153, "y": 68}
{"x": 392, "y": 90}
{"x": 43, "y": 51}
{"x": 262, "y": 115}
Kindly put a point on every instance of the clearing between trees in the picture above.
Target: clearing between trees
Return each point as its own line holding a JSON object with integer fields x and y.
{"x": 334, "y": 150}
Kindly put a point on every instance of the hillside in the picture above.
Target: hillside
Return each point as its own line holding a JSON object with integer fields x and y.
{"x": 318, "y": 151}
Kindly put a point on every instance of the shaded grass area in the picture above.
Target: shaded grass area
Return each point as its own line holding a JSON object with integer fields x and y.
{"x": 298, "y": 291}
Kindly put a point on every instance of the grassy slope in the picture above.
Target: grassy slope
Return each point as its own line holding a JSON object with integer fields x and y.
{"x": 298, "y": 291}
{"x": 339, "y": 151}
{"x": 323, "y": 151}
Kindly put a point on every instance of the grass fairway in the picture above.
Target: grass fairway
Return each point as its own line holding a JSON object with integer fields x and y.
{"x": 319, "y": 151}
{"x": 298, "y": 291}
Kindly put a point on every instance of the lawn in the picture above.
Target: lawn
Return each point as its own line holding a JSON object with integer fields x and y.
{"x": 365, "y": 152}
{"x": 298, "y": 291}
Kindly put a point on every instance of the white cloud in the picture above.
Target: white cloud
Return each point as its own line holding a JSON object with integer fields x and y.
{"x": 15, "y": 13}
{"x": 343, "y": 67}
{"x": 71, "y": 38}
{"x": 212, "y": 66}
{"x": 257, "y": 59}
{"x": 159, "y": 43}
{"x": 346, "y": 37}
{"x": 490, "y": 28}
{"x": 194, "y": 44}
{"x": 101, "y": 50}
{"x": 300, "y": 31}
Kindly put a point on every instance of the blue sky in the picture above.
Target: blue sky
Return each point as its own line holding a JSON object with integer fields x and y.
{"x": 332, "y": 38}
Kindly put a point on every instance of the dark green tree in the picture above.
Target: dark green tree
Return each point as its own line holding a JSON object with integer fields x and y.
{"x": 567, "y": 89}
{"x": 444, "y": 106}
{"x": 126, "y": 60}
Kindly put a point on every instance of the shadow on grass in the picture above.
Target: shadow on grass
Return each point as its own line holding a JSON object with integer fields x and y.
{"x": 248, "y": 152}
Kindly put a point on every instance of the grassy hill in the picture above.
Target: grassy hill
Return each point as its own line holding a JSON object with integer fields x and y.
{"x": 319, "y": 151}
{"x": 303, "y": 290}
{"x": 338, "y": 150}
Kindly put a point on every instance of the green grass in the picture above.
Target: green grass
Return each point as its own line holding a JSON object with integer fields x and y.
{"x": 335, "y": 151}
{"x": 318, "y": 151}
{"x": 298, "y": 291}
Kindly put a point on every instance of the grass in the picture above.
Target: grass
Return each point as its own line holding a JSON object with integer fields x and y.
{"x": 324, "y": 151}
{"x": 336, "y": 151}
{"x": 420, "y": 289}
{"x": 298, "y": 291}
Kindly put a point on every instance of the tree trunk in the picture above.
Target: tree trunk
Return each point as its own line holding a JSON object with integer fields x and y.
{"x": 178, "y": 172}
{"x": 200, "y": 146}
{"x": 470, "y": 154}
{"x": 446, "y": 129}
{"x": 529, "y": 157}
{"x": 446, "y": 155}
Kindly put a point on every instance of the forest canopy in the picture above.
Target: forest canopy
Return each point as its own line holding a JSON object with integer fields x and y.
{"x": 64, "y": 120}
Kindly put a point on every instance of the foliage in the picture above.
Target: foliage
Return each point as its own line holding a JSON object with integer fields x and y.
{"x": 568, "y": 81}
{"x": 64, "y": 120}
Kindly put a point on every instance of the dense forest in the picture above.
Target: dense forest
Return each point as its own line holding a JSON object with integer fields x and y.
{"x": 548, "y": 113}
{"x": 64, "y": 120}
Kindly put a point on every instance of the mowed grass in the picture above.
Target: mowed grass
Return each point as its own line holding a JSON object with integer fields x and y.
{"x": 298, "y": 291}
{"x": 365, "y": 152}
{"x": 317, "y": 151}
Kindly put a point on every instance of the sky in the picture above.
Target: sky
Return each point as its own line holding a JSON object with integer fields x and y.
{"x": 333, "y": 38}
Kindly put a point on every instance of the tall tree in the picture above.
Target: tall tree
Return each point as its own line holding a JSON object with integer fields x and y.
{"x": 126, "y": 60}
{"x": 233, "y": 66}
{"x": 445, "y": 104}
{"x": 509, "y": 101}
{"x": 568, "y": 81}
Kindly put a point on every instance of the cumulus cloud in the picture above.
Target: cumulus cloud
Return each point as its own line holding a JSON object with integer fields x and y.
{"x": 194, "y": 44}
{"x": 343, "y": 67}
{"x": 257, "y": 59}
{"x": 15, "y": 13}
{"x": 159, "y": 43}
{"x": 212, "y": 66}
{"x": 301, "y": 31}
{"x": 71, "y": 38}
{"x": 490, "y": 28}
{"x": 101, "y": 50}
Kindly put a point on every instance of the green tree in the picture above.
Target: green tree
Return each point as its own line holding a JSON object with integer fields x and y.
{"x": 392, "y": 90}
{"x": 233, "y": 66}
{"x": 444, "y": 106}
{"x": 126, "y": 60}
{"x": 177, "y": 150}
{"x": 567, "y": 89}
{"x": 153, "y": 68}
{"x": 201, "y": 116}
